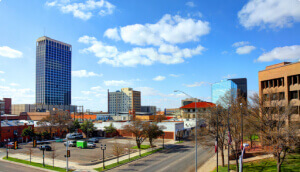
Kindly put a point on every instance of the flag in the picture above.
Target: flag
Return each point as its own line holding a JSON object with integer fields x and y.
{"x": 229, "y": 138}
{"x": 242, "y": 146}
{"x": 216, "y": 145}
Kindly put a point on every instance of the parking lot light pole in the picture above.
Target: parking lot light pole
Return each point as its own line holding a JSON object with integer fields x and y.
{"x": 6, "y": 140}
{"x": 103, "y": 147}
{"x": 163, "y": 140}
{"x": 44, "y": 157}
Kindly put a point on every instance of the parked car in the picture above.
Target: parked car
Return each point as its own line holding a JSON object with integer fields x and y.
{"x": 10, "y": 145}
{"x": 95, "y": 140}
{"x": 91, "y": 145}
{"x": 71, "y": 143}
{"x": 74, "y": 136}
{"x": 56, "y": 138}
{"x": 46, "y": 148}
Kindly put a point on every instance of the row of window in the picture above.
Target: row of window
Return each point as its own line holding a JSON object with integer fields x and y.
{"x": 281, "y": 96}
{"x": 273, "y": 83}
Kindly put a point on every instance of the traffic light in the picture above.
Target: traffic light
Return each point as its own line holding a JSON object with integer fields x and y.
{"x": 68, "y": 153}
{"x": 34, "y": 143}
{"x": 16, "y": 145}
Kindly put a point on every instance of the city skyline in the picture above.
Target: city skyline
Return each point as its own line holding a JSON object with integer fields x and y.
{"x": 154, "y": 48}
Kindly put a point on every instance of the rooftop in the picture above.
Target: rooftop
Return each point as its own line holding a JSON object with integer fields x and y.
{"x": 199, "y": 105}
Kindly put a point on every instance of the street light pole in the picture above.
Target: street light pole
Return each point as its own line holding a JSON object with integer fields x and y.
{"x": 163, "y": 140}
{"x": 103, "y": 147}
{"x": 67, "y": 159}
{"x": 241, "y": 104}
{"x": 195, "y": 127}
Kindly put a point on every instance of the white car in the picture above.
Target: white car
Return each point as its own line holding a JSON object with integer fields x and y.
{"x": 71, "y": 143}
{"x": 91, "y": 145}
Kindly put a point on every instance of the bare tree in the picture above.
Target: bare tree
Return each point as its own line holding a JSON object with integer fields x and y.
{"x": 30, "y": 150}
{"x": 128, "y": 147}
{"x": 118, "y": 149}
{"x": 53, "y": 154}
{"x": 271, "y": 117}
{"x": 137, "y": 128}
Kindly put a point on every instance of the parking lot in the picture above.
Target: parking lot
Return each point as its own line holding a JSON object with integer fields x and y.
{"x": 78, "y": 155}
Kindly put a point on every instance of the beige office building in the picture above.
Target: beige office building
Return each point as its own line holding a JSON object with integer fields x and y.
{"x": 123, "y": 101}
{"x": 282, "y": 82}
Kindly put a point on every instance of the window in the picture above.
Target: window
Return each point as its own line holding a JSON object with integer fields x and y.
{"x": 274, "y": 96}
{"x": 280, "y": 82}
{"x": 294, "y": 110}
{"x": 266, "y": 97}
{"x": 281, "y": 96}
{"x": 294, "y": 94}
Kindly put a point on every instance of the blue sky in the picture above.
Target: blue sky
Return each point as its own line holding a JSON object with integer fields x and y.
{"x": 153, "y": 46}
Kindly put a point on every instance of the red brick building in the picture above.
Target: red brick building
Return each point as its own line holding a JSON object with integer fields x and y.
{"x": 13, "y": 130}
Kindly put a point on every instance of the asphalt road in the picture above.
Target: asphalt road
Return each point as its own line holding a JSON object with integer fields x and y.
{"x": 12, "y": 167}
{"x": 178, "y": 159}
{"x": 9, "y": 167}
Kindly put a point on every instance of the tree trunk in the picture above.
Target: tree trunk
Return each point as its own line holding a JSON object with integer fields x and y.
{"x": 278, "y": 164}
{"x": 222, "y": 155}
{"x": 150, "y": 140}
{"x": 30, "y": 157}
{"x": 53, "y": 162}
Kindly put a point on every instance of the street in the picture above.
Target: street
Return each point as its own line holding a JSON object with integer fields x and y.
{"x": 180, "y": 158}
{"x": 10, "y": 167}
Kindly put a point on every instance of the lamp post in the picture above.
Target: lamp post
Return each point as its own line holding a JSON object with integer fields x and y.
{"x": 6, "y": 140}
{"x": 67, "y": 158}
{"x": 163, "y": 139}
{"x": 195, "y": 126}
{"x": 103, "y": 148}
{"x": 44, "y": 156}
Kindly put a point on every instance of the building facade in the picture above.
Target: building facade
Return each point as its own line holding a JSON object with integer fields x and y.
{"x": 5, "y": 106}
{"x": 281, "y": 82}
{"x": 124, "y": 101}
{"x": 53, "y": 72}
{"x": 17, "y": 109}
{"x": 188, "y": 111}
{"x": 149, "y": 109}
{"x": 241, "y": 86}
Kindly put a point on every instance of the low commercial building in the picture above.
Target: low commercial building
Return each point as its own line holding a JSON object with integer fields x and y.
{"x": 149, "y": 109}
{"x": 171, "y": 129}
{"x": 12, "y": 130}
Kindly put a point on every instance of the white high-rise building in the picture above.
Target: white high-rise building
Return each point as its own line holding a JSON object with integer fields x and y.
{"x": 124, "y": 101}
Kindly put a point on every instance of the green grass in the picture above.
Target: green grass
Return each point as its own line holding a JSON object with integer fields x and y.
{"x": 40, "y": 165}
{"x": 127, "y": 160}
{"x": 142, "y": 147}
{"x": 291, "y": 164}
{"x": 180, "y": 142}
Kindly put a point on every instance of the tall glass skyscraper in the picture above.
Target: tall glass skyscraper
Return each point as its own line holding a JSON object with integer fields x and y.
{"x": 220, "y": 89}
{"x": 53, "y": 72}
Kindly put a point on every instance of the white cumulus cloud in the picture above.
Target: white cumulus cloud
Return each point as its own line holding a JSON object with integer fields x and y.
{"x": 159, "y": 78}
{"x": 197, "y": 84}
{"x": 245, "y": 49}
{"x": 112, "y": 34}
{"x": 83, "y": 10}
{"x": 281, "y": 53}
{"x": 169, "y": 29}
{"x": 1, "y": 72}
{"x": 117, "y": 83}
{"x": 269, "y": 13}
{"x": 242, "y": 43}
{"x": 190, "y": 4}
{"x": 174, "y": 75}
{"x": 6, "y": 51}
{"x": 84, "y": 73}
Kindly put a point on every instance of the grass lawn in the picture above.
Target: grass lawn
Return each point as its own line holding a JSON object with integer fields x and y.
{"x": 127, "y": 160}
{"x": 49, "y": 167}
{"x": 180, "y": 142}
{"x": 291, "y": 164}
{"x": 142, "y": 147}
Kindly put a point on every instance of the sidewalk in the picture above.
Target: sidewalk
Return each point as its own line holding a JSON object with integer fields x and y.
{"x": 76, "y": 166}
{"x": 211, "y": 164}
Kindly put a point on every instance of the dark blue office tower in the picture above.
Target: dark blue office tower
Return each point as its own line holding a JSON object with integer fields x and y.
{"x": 53, "y": 72}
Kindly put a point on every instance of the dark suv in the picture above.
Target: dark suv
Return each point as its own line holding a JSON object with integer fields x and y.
{"x": 45, "y": 147}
